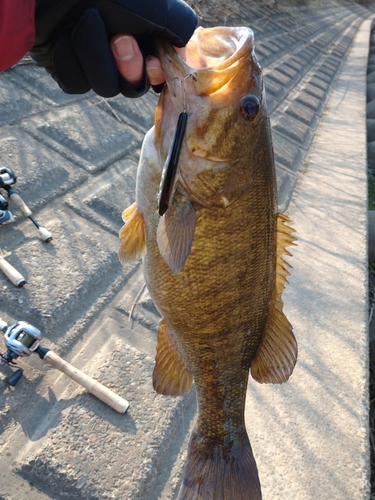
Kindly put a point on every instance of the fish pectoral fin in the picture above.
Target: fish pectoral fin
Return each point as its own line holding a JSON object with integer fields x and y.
{"x": 132, "y": 234}
{"x": 175, "y": 235}
{"x": 277, "y": 354}
{"x": 171, "y": 376}
{"x": 129, "y": 212}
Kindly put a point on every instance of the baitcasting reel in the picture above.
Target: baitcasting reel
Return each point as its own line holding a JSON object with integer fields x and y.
{"x": 21, "y": 339}
{"x": 7, "y": 179}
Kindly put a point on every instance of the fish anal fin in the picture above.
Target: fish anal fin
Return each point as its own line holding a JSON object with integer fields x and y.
{"x": 277, "y": 354}
{"x": 133, "y": 235}
{"x": 219, "y": 472}
{"x": 171, "y": 376}
{"x": 175, "y": 235}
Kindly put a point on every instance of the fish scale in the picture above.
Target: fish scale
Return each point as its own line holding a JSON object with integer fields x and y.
{"x": 213, "y": 263}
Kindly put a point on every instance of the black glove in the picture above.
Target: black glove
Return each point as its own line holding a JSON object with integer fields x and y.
{"x": 73, "y": 39}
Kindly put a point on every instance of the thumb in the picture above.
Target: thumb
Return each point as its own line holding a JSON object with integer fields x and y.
{"x": 128, "y": 57}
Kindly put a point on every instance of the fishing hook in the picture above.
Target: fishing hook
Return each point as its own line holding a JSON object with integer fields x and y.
{"x": 182, "y": 82}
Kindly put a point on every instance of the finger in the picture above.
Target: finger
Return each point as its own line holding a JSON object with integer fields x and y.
{"x": 128, "y": 57}
{"x": 67, "y": 70}
{"x": 89, "y": 42}
{"x": 154, "y": 71}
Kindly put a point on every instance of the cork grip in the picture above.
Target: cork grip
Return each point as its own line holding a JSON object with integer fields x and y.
{"x": 11, "y": 273}
{"x": 18, "y": 201}
{"x": 96, "y": 388}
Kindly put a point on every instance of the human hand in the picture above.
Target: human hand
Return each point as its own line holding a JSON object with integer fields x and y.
{"x": 130, "y": 62}
{"x": 74, "y": 39}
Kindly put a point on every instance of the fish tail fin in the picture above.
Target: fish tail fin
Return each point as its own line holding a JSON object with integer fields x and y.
{"x": 220, "y": 472}
{"x": 132, "y": 234}
{"x": 277, "y": 354}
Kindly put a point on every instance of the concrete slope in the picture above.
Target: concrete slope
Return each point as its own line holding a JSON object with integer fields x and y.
{"x": 310, "y": 436}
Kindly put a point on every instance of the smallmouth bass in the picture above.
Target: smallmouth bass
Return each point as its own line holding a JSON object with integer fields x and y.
{"x": 213, "y": 262}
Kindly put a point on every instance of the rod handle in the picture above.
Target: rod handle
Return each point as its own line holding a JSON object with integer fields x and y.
{"x": 18, "y": 201}
{"x": 11, "y": 273}
{"x": 93, "y": 386}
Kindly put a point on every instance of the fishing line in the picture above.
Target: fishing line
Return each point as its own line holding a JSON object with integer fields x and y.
{"x": 170, "y": 169}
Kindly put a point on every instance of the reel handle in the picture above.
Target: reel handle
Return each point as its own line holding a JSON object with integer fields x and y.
{"x": 13, "y": 379}
{"x": 93, "y": 386}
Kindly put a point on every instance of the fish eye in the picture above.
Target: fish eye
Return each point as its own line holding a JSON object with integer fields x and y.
{"x": 249, "y": 106}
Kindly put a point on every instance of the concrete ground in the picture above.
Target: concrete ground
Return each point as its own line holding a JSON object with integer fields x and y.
{"x": 320, "y": 417}
{"x": 76, "y": 159}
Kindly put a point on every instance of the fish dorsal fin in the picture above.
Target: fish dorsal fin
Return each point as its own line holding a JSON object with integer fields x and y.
{"x": 175, "y": 235}
{"x": 132, "y": 234}
{"x": 277, "y": 354}
{"x": 171, "y": 376}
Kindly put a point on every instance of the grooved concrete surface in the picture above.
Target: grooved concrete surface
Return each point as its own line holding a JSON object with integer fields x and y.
{"x": 76, "y": 159}
{"x": 320, "y": 417}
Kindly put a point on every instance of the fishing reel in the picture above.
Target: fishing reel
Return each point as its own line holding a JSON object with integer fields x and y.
{"x": 6, "y": 216}
{"x": 7, "y": 179}
{"x": 21, "y": 339}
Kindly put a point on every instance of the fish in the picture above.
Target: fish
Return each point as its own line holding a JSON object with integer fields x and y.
{"x": 213, "y": 251}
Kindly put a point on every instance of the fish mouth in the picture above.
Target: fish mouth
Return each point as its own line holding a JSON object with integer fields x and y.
{"x": 213, "y": 57}
{"x": 172, "y": 64}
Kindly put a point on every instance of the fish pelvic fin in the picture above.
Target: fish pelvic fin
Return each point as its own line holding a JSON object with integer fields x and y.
{"x": 133, "y": 235}
{"x": 277, "y": 354}
{"x": 175, "y": 235}
{"x": 171, "y": 376}
{"x": 220, "y": 472}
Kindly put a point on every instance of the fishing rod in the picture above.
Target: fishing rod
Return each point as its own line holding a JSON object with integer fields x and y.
{"x": 22, "y": 339}
{"x": 10, "y": 272}
{"x": 7, "y": 179}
